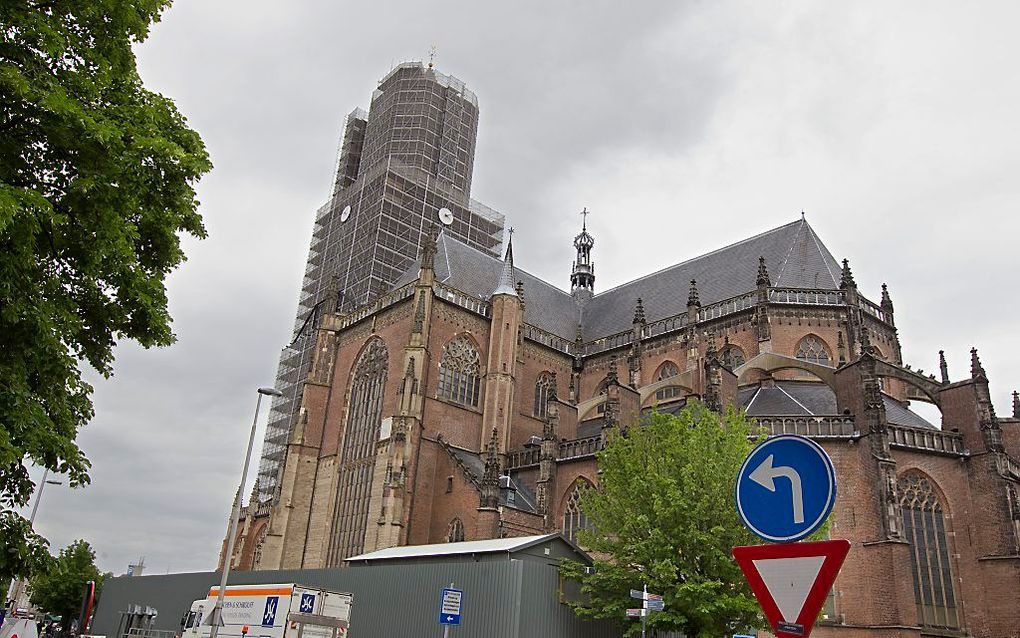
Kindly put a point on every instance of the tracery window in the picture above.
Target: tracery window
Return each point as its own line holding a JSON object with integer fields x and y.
{"x": 573, "y": 518}
{"x": 455, "y": 533}
{"x": 924, "y": 527}
{"x": 666, "y": 371}
{"x": 364, "y": 421}
{"x": 813, "y": 350}
{"x": 543, "y": 387}
{"x": 459, "y": 372}
{"x": 734, "y": 357}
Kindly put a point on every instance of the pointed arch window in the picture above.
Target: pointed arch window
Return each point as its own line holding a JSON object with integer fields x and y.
{"x": 666, "y": 371}
{"x": 924, "y": 527}
{"x": 733, "y": 357}
{"x": 573, "y": 518}
{"x": 543, "y": 389}
{"x": 459, "y": 372}
{"x": 813, "y": 350}
{"x": 364, "y": 421}
{"x": 455, "y": 532}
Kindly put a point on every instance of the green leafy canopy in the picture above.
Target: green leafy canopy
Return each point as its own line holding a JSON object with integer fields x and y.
{"x": 663, "y": 515}
{"x": 58, "y": 589}
{"x": 97, "y": 180}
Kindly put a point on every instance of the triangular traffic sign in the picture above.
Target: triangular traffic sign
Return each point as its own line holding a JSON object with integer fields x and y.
{"x": 791, "y": 581}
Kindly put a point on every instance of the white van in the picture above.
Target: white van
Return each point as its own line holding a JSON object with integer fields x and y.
{"x": 271, "y": 611}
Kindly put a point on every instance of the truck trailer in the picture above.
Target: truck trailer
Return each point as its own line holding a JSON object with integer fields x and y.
{"x": 271, "y": 611}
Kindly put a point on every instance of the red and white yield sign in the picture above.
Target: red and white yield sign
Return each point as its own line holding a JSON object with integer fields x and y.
{"x": 791, "y": 581}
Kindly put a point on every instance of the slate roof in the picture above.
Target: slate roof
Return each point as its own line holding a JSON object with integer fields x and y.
{"x": 798, "y": 398}
{"x": 795, "y": 256}
{"x": 476, "y": 273}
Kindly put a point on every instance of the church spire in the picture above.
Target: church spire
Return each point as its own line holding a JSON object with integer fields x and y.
{"x": 582, "y": 274}
{"x": 506, "y": 278}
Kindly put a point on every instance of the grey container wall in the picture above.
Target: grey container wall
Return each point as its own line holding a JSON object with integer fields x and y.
{"x": 507, "y": 598}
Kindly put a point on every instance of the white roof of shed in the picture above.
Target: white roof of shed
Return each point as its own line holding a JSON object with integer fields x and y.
{"x": 467, "y": 547}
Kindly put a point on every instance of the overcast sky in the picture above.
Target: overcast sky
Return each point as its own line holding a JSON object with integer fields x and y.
{"x": 682, "y": 126}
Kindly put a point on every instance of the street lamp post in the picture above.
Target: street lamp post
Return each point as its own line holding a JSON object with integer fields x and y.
{"x": 18, "y": 586}
{"x": 216, "y": 617}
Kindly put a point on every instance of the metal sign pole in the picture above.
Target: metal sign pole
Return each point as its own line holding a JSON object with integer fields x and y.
{"x": 446, "y": 628}
{"x": 644, "y": 609}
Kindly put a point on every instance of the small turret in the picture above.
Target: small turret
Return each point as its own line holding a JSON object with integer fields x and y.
{"x": 582, "y": 275}
{"x": 1016, "y": 404}
{"x": 943, "y": 367}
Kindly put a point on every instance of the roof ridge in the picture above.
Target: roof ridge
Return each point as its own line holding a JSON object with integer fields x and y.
{"x": 822, "y": 249}
{"x": 793, "y": 244}
{"x": 701, "y": 256}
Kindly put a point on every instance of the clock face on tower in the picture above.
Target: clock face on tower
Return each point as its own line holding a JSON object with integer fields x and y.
{"x": 446, "y": 216}
{"x": 345, "y": 213}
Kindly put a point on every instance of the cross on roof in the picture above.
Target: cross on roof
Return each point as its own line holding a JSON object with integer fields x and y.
{"x": 584, "y": 218}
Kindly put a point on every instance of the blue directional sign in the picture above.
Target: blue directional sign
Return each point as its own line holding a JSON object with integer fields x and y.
{"x": 449, "y": 608}
{"x": 786, "y": 488}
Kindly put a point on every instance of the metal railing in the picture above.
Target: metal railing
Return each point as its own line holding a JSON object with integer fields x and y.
{"x": 910, "y": 438}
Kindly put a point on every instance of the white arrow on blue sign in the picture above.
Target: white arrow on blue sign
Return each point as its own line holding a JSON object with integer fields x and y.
{"x": 449, "y": 608}
{"x": 786, "y": 488}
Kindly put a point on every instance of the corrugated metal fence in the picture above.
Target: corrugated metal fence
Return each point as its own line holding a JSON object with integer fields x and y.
{"x": 510, "y": 598}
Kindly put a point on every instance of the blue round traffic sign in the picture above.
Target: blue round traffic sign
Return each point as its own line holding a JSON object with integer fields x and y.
{"x": 786, "y": 488}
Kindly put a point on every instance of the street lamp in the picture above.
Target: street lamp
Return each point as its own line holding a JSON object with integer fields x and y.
{"x": 18, "y": 586}
{"x": 216, "y": 617}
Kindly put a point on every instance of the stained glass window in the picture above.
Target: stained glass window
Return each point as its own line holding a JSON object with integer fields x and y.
{"x": 357, "y": 458}
{"x": 459, "y": 376}
{"x": 924, "y": 527}
{"x": 455, "y": 533}
{"x": 573, "y": 518}
{"x": 667, "y": 371}
{"x": 542, "y": 389}
{"x": 813, "y": 350}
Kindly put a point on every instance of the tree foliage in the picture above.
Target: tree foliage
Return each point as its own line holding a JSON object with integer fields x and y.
{"x": 59, "y": 588}
{"x": 97, "y": 182}
{"x": 663, "y": 515}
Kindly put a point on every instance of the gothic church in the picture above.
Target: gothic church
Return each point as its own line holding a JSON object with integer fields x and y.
{"x": 469, "y": 401}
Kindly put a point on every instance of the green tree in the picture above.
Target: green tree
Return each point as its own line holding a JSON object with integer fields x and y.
{"x": 663, "y": 515}
{"x": 59, "y": 588}
{"x": 97, "y": 180}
